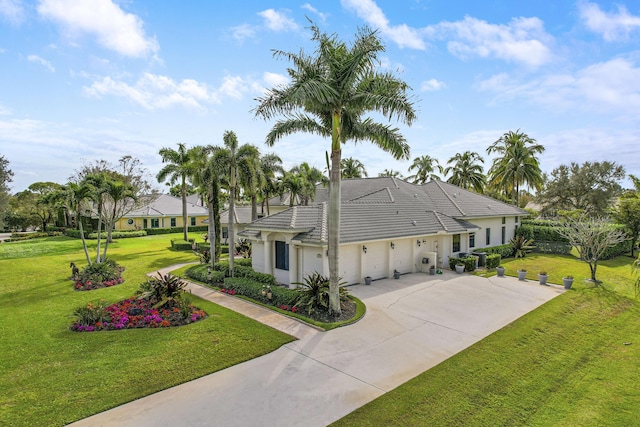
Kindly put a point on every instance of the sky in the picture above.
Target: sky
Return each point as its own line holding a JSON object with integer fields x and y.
{"x": 83, "y": 80}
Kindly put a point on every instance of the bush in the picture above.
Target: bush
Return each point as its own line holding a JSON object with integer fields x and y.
{"x": 161, "y": 289}
{"x": 181, "y": 245}
{"x": 197, "y": 228}
{"x": 118, "y": 234}
{"x": 254, "y": 290}
{"x": 313, "y": 294}
{"x": 468, "y": 262}
{"x": 98, "y": 275}
{"x": 505, "y": 251}
{"x": 201, "y": 272}
{"x": 563, "y": 248}
{"x": 70, "y": 232}
{"x": 493, "y": 260}
{"x": 16, "y": 237}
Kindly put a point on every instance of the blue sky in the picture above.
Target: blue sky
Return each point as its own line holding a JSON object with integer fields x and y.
{"x": 82, "y": 80}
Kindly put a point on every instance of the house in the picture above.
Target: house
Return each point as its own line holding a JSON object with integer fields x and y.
{"x": 242, "y": 218}
{"x": 163, "y": 211}
{"x": 386, "y": 225}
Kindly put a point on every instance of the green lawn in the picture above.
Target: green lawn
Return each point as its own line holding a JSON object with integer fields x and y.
{"x": 52, "y": 376}
{"x": 572, "y": 362}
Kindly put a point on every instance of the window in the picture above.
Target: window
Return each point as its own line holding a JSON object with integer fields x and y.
{"x": 488, "y": 241}
{"x": 155, "y": 223}
{"x": 282, "y": 255}
{"x": 504, "y": 219}
{"x": 173, "y": 222}
{"x": 456, "y": 243}
{"x": 516, "y": 220}
{"x": 144, "y": 223}
{"x": 225, "y": 233}
{"x": 504, "y": 235}
{"x": 130, "y": 221}
{"x": 193, "y": 221}
{"x": 472, "y": 240}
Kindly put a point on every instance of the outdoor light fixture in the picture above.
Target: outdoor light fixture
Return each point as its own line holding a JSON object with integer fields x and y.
{"x": 418, "y": 241}
{"x": 209, "y": 274}
{"x": 393, "y": 246}
{"x": 364, "y": 249}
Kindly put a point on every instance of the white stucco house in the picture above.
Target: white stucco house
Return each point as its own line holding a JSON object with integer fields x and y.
{"x": 387, "y": 225}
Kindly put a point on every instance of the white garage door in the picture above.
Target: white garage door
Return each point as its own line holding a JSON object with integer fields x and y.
{"x": 350, "y": 264}
{"x": 402, "y": 260}
{"x": 375, "y": 260}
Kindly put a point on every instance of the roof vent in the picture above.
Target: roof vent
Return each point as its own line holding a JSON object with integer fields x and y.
{"x": 414, "y": 222}
{"x": 415, "y": 196}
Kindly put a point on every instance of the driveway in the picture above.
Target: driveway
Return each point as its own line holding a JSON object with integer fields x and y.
{"x": 411, "y": 325}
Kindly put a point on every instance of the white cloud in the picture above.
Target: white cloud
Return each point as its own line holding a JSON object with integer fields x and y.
{"x": 605, "y": 87}
{"x": 242, "y": 32}
{"x": 402, "y": 35}
{"x": 432, "y": 85}
{"x": 41, "y": 61}
{"x": 154, "y": 92}
{"x": 275, "y": 79}
{"x": 4, "y": 111}
{"x": 113, "y": 28}
{"x": 523, "y": 40}
{"x": 12, "y": 11}
{"x": 277, "y": 21}
{"x": 307, "y": 6}
{"x": 612, "y": 26}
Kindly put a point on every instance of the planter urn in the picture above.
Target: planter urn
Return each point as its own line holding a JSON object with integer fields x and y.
{"x": 432, "y": 271}
{"x": 567, "y": 282}
{"x": 367, "y": 280}
{"x": 543, "y": 278}
{"x": 396, "y": 274}
{"x": 522, "y": 275}
{"x": 459, "y": 269}
{"x": 500, "y": 271}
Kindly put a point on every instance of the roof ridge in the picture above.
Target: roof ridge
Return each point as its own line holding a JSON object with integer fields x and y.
{"x": 450, "y": 199}
{"x": 323, "y": 227}
{"x": 294, "y": 217}
{"x": 437, "y": 215}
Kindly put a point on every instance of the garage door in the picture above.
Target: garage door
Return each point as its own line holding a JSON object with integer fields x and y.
{"x": 375, "y": 260}
{"x": 349, "y": 258}
{"x": 402, "y": 260}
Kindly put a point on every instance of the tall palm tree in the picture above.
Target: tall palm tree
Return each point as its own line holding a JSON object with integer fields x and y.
{"x": 77, "y": 195}
{"x": 179, "y": 167}
{"x": 118, "y": 192}
{"x": 425, "y": 167}
{"x": 516, "y": 164}
{"x": 328, "y": 95}
{"x": 250, "y": 176}
{"x": 466, "y": 171}
{"x": 352, "y": 168}
{"x": 270, "y": 164}
{"x": 391, "y": 173}
{"x": 309, "y": 177}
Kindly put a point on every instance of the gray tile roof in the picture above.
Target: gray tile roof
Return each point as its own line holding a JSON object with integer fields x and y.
{"x": 242, "y": 215}
{"x": 382, "y": 208}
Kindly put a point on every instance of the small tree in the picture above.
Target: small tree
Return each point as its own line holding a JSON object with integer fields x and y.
{"x": 591, "y": 236}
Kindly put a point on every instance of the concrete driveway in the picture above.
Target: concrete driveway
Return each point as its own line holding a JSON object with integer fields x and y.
{"x": 411, "y": 325}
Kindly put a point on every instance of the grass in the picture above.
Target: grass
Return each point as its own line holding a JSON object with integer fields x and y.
{"x": 573, "y": 361}
{"x": 52, "y": 376}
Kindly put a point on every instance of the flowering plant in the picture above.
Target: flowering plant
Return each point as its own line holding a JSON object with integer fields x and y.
{"x": 98, "y": 275}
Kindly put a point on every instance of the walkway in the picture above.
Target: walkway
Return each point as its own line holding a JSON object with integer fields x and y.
{"x": 411, "y": 325}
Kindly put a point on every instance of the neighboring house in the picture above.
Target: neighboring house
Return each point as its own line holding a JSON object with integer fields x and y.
{"x": 386, "y": 225}
{"x": 242, "y": 218}
{"x": 164, "y": 211}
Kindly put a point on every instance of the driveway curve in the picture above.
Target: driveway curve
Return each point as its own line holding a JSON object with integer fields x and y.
{"x": 411, "y": 325}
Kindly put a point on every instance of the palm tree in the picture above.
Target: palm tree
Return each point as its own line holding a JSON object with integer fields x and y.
{"x": 391, "y": 173}
{"x": 270, "y": 164}
{"x": 516, "y": 164}
{"x": 118, "y": 192}
{"x": 466, "y": 171}
{"x": 309, "y": 177}
{"x": 77, "y": 196}
{"x": 352, "y": 168}
{"x": 328, "y": 95}
{"x": 178, "y": 166}
{"x": 250, "y": 176}
{"x": 425, "y": 167}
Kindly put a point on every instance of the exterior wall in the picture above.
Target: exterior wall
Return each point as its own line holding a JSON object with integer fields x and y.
{"x": 495, "y": 224}
{"x": 311, "y": 260}
{"x": 257, "y": 255}
{"x": 163, "y": 222}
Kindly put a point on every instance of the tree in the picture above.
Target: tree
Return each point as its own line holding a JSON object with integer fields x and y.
{"x": 178, "y": 167}
{"x": 270, "y": 165}
{"x": 352, "y": 168}
{"x": 250, "y": 176}
{"x": 328, "y": 95}
{"x": 45, "y": 202}
{"x": 627, "y": 212}
{"x": 391, "y": 173}
{"x": 425, "y": 167}
{"x": 77, "y": 195}
{"x": 117, "y": 199}
{"x": 310, "y": 177}
{"x": 591, "y": 236}
{"x": 6, "y": 175}
{"x": 516, "y": 164}
{"x": 466, "y": 171}
{"x": 591, "y": 187}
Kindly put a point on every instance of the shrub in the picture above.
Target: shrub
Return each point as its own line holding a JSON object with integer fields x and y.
{"x": 197, "y": 228}
{"x": 493, "y": 260}
{"x": 553, "y": 247}
{"x": 118, "y": 234}
{"x": 313, "y": 294}
{"x": 99, "y": 275}
{"x": 181, "y": 245}
{"x": 161, "y": 289}
{"x": 254, "y": 290}
{"x": 521, "y": 246}
{"x": 75, "y": 233}
{"x": 505, "y": 251}
{"x": 91, "y": 314}
{"x": 16, "y": 237}
{"x": 200, "y": 273}
{"x": 468, "y": 262}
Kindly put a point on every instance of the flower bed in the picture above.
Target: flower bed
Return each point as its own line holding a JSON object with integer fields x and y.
{"x": 90, "y": 285}
{"x": 134, "y": 313}
{"x": 97, "y": 275}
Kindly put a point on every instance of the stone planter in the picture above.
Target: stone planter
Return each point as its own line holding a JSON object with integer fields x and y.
{"x": 432, "y": 271}
{"x": 459, "y": 269}
{"x": 396, "y": 274}
{"x": 500, "y": 271}
{"x": 522, "y": 275}
{"x": 367, "y": 280}
{"x": 567, "y": 282}
{"x": 543, "y": 278}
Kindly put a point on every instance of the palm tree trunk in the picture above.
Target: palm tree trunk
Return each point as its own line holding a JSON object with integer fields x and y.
{"x": 84, "y": 242}
{"x": 334, "y": 218}
{"x": 215, "y": 203}
{"x": 185, "y": 226}
{"x": 212, "y": 228}
{"x": 99, "y": 228}
{"x": 254, "y": 207}
{"x": 232, "y": 241}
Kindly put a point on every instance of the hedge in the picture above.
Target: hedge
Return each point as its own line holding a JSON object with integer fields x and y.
{"x": 469, "y": 263}
{"x": 493, "y": 260}
{"x": 196, "y": 228}
{"x": 181, "y": 245}
{"x": 121, "y": 234}
{"x": 253, "y": 289}
{"x": 505, "y": 251}
{"x": 562, "y": 248}
{"x": 16, "y": 237}
{"x": 201, "y": 272}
